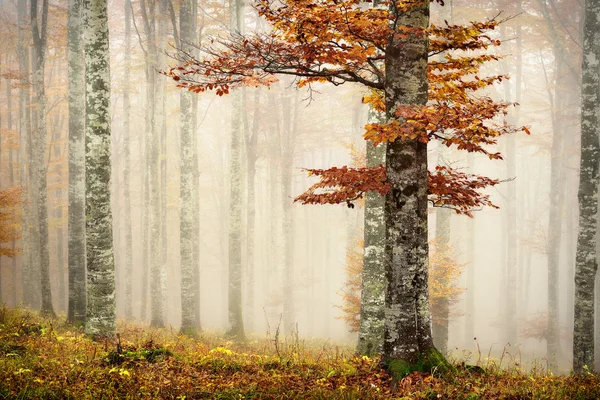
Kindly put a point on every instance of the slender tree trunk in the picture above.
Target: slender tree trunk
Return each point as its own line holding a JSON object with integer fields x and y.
{"x": 12, "y": 180}
{"x": 39, "y": 29}
{"x": 76, "y": 234}
{"x": 186, "y": 226}
{"x": 236, "y": 323}
{"x": 58, "y": 214}
{"x": 127, "y": 168}
{"x": 162, "y": 138}
{"x": 442, "y": 244}
{"x": 372, "y": 302}
{"x": 251, "y": 139}
{"x": 101, "y": 308}
{"x": 288, "y": 133}
{"x": 24, "y": 148}
{"x": 407, "y": 335}
{"x": 586, "y": 262}
{"x": 555, "y": 212}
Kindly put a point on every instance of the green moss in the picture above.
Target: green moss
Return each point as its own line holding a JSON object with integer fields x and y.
{"x": 430, "y": 361}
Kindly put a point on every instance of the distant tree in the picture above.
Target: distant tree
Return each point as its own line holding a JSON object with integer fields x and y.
{"x": 39, "y": 31}
{"x": 27, "y": 260}
{"x": 586, "y": 261}
{"x": 235, "y": 320}
{"x": 186, "y": 225}
{"x": 128, "y": 276}
{"x": 76, "y": 229}
{"x": 100, "y": 320}
{"x": 339, "y": 42}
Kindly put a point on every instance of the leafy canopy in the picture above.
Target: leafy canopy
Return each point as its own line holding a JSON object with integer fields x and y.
{"x": 341, "y": 41}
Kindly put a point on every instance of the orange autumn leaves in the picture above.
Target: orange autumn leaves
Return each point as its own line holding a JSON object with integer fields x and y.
{"x": 340, "y": 41}
{"x": 10, "y": 202}
{"x": 447, "y": 187}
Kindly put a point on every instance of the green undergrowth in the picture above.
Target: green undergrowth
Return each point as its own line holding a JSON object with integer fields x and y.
{"x": 46, "y": 359}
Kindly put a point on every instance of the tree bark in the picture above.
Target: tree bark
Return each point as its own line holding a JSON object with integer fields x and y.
{"x": 186, "y": 225}
{"x": 76, "y": 229}
{"x": 101, "y": 307}
{"x": 24, "y": 148}
{"x": 236, "y": 323}
{"x": 586, "y": 262}
{"x": 407, "y": 317}
{"x": 38, "y": 30}
{"x": 372, "y": 302}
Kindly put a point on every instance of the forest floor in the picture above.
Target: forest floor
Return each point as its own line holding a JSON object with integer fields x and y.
{"x": 46, "y": 359}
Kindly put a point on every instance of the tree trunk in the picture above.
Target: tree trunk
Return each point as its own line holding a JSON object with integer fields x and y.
{"x": 186, "y": 225}
{"x": 586, "y": 263}
{"x": 127, "y": 168}
{"x": 442, "y": 244}
{"x": 39, "y": 184}
{"x": 372, "y": 302}
{"x": 24, "y": 148}
{"x": 236, "y": 323}
{"x": 556, "y": 210}
{"x": 101, "y": 307}
{"x": 76, "y": 234}
{"x": 12, "y": 180}
{"x": 407, "y": 318}
{"x": 251, "y": 139}
{"x": 287, "y": 157}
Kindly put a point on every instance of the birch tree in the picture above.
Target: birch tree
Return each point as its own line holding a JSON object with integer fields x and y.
{"x": 101, "y": 306}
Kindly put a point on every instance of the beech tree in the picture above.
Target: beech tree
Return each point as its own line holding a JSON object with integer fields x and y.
{"x": 100, "y": 320}
{"x": 386, "y": 50}
{"x": 586, "y": 263}
{"x": 39, "y": 29}
{"x": 76, "y": 235}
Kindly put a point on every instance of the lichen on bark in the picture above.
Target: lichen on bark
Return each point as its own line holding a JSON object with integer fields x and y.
{"x": 99, "y": 246}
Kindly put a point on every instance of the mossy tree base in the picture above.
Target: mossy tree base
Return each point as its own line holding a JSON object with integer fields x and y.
{"x": 430, "y": 361}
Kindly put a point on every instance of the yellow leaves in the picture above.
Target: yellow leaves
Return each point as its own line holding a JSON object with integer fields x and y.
{"x": 120, "y": 371}
{"x": 221, "y": 350}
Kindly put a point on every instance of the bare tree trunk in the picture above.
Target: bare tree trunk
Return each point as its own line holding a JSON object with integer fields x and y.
{"x": 27, "y": 259}
{"x": 12, "y": 180}
{"x": 76, "y": 245}
{"x": 128, "y": 276}
{"x": 236, "y": 324}
{"x": 586, "y": 262}
{"x": 39, "y": 29}
{"x": 101, "y": 307}
{"x": 251, "y": 139}
{"x": 372, "y": 302}
{"x": 186, "y": 225}
{"x": 290, "y": 119}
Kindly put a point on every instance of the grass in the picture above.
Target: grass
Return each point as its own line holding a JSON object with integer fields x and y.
{"x": 46, "y": 359}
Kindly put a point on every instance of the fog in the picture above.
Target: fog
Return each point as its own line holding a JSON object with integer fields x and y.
{"x": 500, "y": 251}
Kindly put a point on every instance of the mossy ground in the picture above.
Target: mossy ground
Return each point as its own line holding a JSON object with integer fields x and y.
{"x": 46, "y": 359}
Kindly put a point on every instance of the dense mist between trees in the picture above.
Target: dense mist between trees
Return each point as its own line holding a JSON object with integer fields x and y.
{"x": 505, "y": 276}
